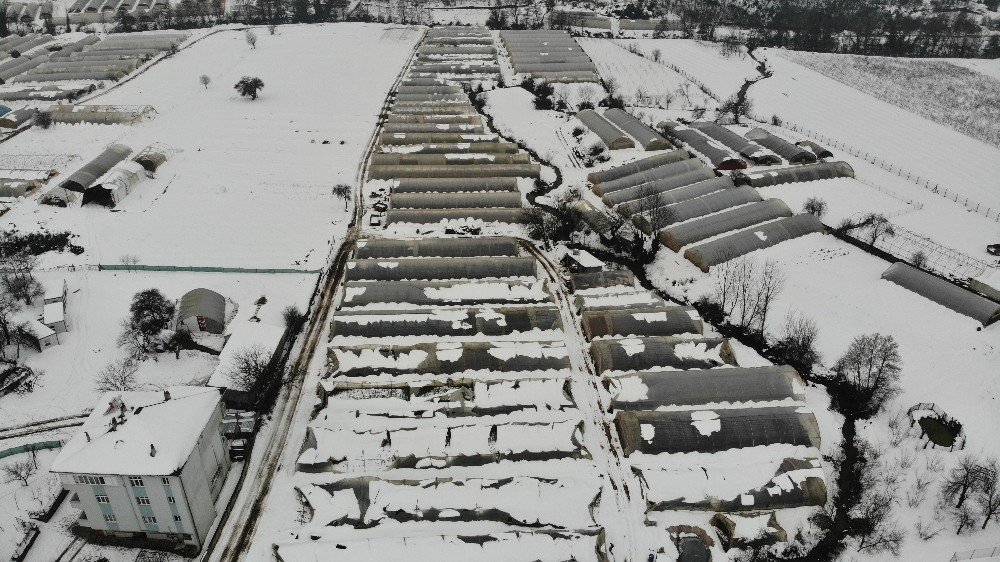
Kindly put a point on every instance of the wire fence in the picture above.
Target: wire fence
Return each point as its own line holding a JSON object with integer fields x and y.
{"x": 976, "y": 553}
{"x": 924, "y": 253}
{"x": 933, "y": 187}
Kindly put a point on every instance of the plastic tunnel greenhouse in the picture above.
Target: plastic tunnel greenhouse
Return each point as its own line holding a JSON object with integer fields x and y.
{"x": 647, "y": 137}
{"x": 440, "y": 268}
{"x": 649, "y": 391}
{"x": 637, "y": 166}
{"x": 437, "y": 247}
{"x": 946, "y": 294}
{"x": 676, "y": 237}
{"x": 638, "y": 354}
{"x": 608, "y": 133}
{"x": 758, "y": 237}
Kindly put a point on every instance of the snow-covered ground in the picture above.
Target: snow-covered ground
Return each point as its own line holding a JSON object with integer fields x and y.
{"x": 251, "y": 185}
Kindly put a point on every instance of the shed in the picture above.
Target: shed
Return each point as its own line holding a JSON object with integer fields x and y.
{"x": 691, "y": 232}
{"x": 56, "y": 292}
{"x": 743, "y": 242}
{"x": 202, "y": 310}
{"x": 711, "y": 431}
{"x": 85, "y": 177}
{"x": 640, "y": 165}
{"x": 658, "y": 321}
{"x": 721, "y": 157}
{"x": 647, "y": 137}
{"x": 610, "y": 134}
{"x": 36, "y": 333}
{"x": 791, "y": 152}
{"x": 437, "y": 247}
{"x": 54, "y": 316}
{"x": 644, "y": 353}
{"x": 745, "y": 147}
{"x": 943, "y": 292}
{"x": 806, "y": 172}
{"x": 581, "y": 261}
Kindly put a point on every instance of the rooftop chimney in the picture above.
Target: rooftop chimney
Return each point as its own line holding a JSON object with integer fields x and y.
{"x": 152, "y": 450}
{"x": 166, "y": 395}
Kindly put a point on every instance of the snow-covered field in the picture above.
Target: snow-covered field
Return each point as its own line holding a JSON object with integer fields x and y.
{"x": 251, "y": 185}
{"x": 704, "y": 61}
{"x": 949, "y": 94}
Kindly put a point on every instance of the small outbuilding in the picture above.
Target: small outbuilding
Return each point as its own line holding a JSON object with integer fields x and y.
{"x": 54, "y": 316}
{"x": 740, "y": 530}
{"x": 581, "y": 261}
{"x": 202, "y": 310}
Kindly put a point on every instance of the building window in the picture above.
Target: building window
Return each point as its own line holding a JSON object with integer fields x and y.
{"x": 92, "y": 480}
{"x": 165, "y": 481}
{"x": 110, "y": 518}
{"x": 101, "y": 498}
{"x": 148, "y": 520}
{"x": 142, "y": 500}
{"x": 170, "y": 499}
{"x": 177, "y": 518}
{"x": 135, "y": 481}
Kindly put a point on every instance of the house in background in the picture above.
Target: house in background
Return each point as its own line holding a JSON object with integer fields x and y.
{"x": 149, "y": 464}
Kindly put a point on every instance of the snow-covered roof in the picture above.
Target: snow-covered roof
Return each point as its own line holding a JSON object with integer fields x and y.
{"x": 245, "y": 335}
{"x": 990, "y": 278}
{"x": 55, "y": 290}
{"x": 585, "y": 259}
{"x": 33, "y": 326}
{"x": 171, "y": 426}
{"x": 52, "y": 313}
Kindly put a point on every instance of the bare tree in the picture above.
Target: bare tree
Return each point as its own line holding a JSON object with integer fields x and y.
{"x": 343, "y": 191}
{"x": 869, "y": 372}
{"x": 987, "y": 494}
{"x": 961, "y": 480}
{"x": 19, "y": 471}
{"x": 745, "y": 290}
{"x": 815, "y": 206}
{"x": 797, "y": 344}
{"x": 874, "y": 527}
{"x": 271, "y": 29}
{"x": 879, "y": 227}
{"x": 117, "y": 376}
{"x": 657, "y": 55}
{"x": 293, "y": 317}
{"x": 251, "y": 38}
{"x": 204, "y": 80}
{"x": 129, "y": 261}
{"x": 19, "y": 276}
{"x": 249, "y": 366}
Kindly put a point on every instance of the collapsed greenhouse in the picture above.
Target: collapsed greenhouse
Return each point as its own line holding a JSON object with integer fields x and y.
{"x": 741, "y": 145}
{"x": 948, "y": 295}
{"x": 85, "y": 177}
{"x": 115, "y": 185}
{"x": 647, "y": 137}
{"x": 721, "y": 157}
{"x": 793, "y": 153}
{"x": 611, "y": 135}
{"x": 743, "y": 242}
